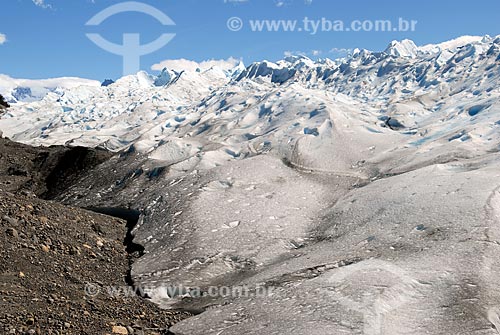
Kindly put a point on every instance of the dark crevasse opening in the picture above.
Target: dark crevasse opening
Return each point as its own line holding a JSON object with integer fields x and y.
{"x": 66, "y": 167}
{"x": 132, "y": 217}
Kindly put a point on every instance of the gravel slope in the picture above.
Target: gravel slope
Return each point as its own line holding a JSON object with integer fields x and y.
{"x": 58, "y": 262}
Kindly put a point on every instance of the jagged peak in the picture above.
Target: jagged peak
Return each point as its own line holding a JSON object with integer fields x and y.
{"x": 454, "y": 44}
{"x": 403, "y": 48}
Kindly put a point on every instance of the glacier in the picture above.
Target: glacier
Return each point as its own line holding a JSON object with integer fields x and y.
{"x": 364, "y": 191}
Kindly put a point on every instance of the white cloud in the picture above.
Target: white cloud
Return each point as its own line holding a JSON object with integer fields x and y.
{"x": 41, "y": 3}
{"x": 3, "y": 38}
{"x": 294, "y": 53}
{"x": 340, "y": 52}
{"x": 313, "y": 53}
{"x": 332, "y": 53}
{"x": 283, "y": 3}
{"x": 41, "y": 87}
{"x": 189, "y": 65}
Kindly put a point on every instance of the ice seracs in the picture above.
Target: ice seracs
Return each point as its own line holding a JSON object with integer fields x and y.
{"x": 237, "y": 70}
{"x": 380, "y": 168}
{"x": 411, "y": 95}
{"x": 165, "y": 77}
{"x": 404, "y": 48}
{"x": 454, "y": 44}
{"x": 107, "y": 82}
{"x": 29, "y": 90}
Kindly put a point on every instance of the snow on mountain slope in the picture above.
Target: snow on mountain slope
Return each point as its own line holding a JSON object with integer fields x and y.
{"x": 447, "y": 49}
{"x": 27, "y": 90}
{"x": 404, "y": 48}
{"x": 453, "y": 44}
{"x": 111, "y": 116}
{"x": 362, "y": 191}
{"x": 374, "y": 102}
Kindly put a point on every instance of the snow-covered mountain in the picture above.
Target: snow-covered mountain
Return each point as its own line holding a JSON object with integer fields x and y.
{"x": 414, "y": 96}
{"x": 28, "y": 90}
{"x": 363, "y": 191}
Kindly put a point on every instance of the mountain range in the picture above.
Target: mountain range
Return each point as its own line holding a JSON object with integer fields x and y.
{"x": 362, "y": 193}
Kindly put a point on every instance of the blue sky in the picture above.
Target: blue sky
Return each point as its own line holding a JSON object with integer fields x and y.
{"x": 46, "y": 38}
